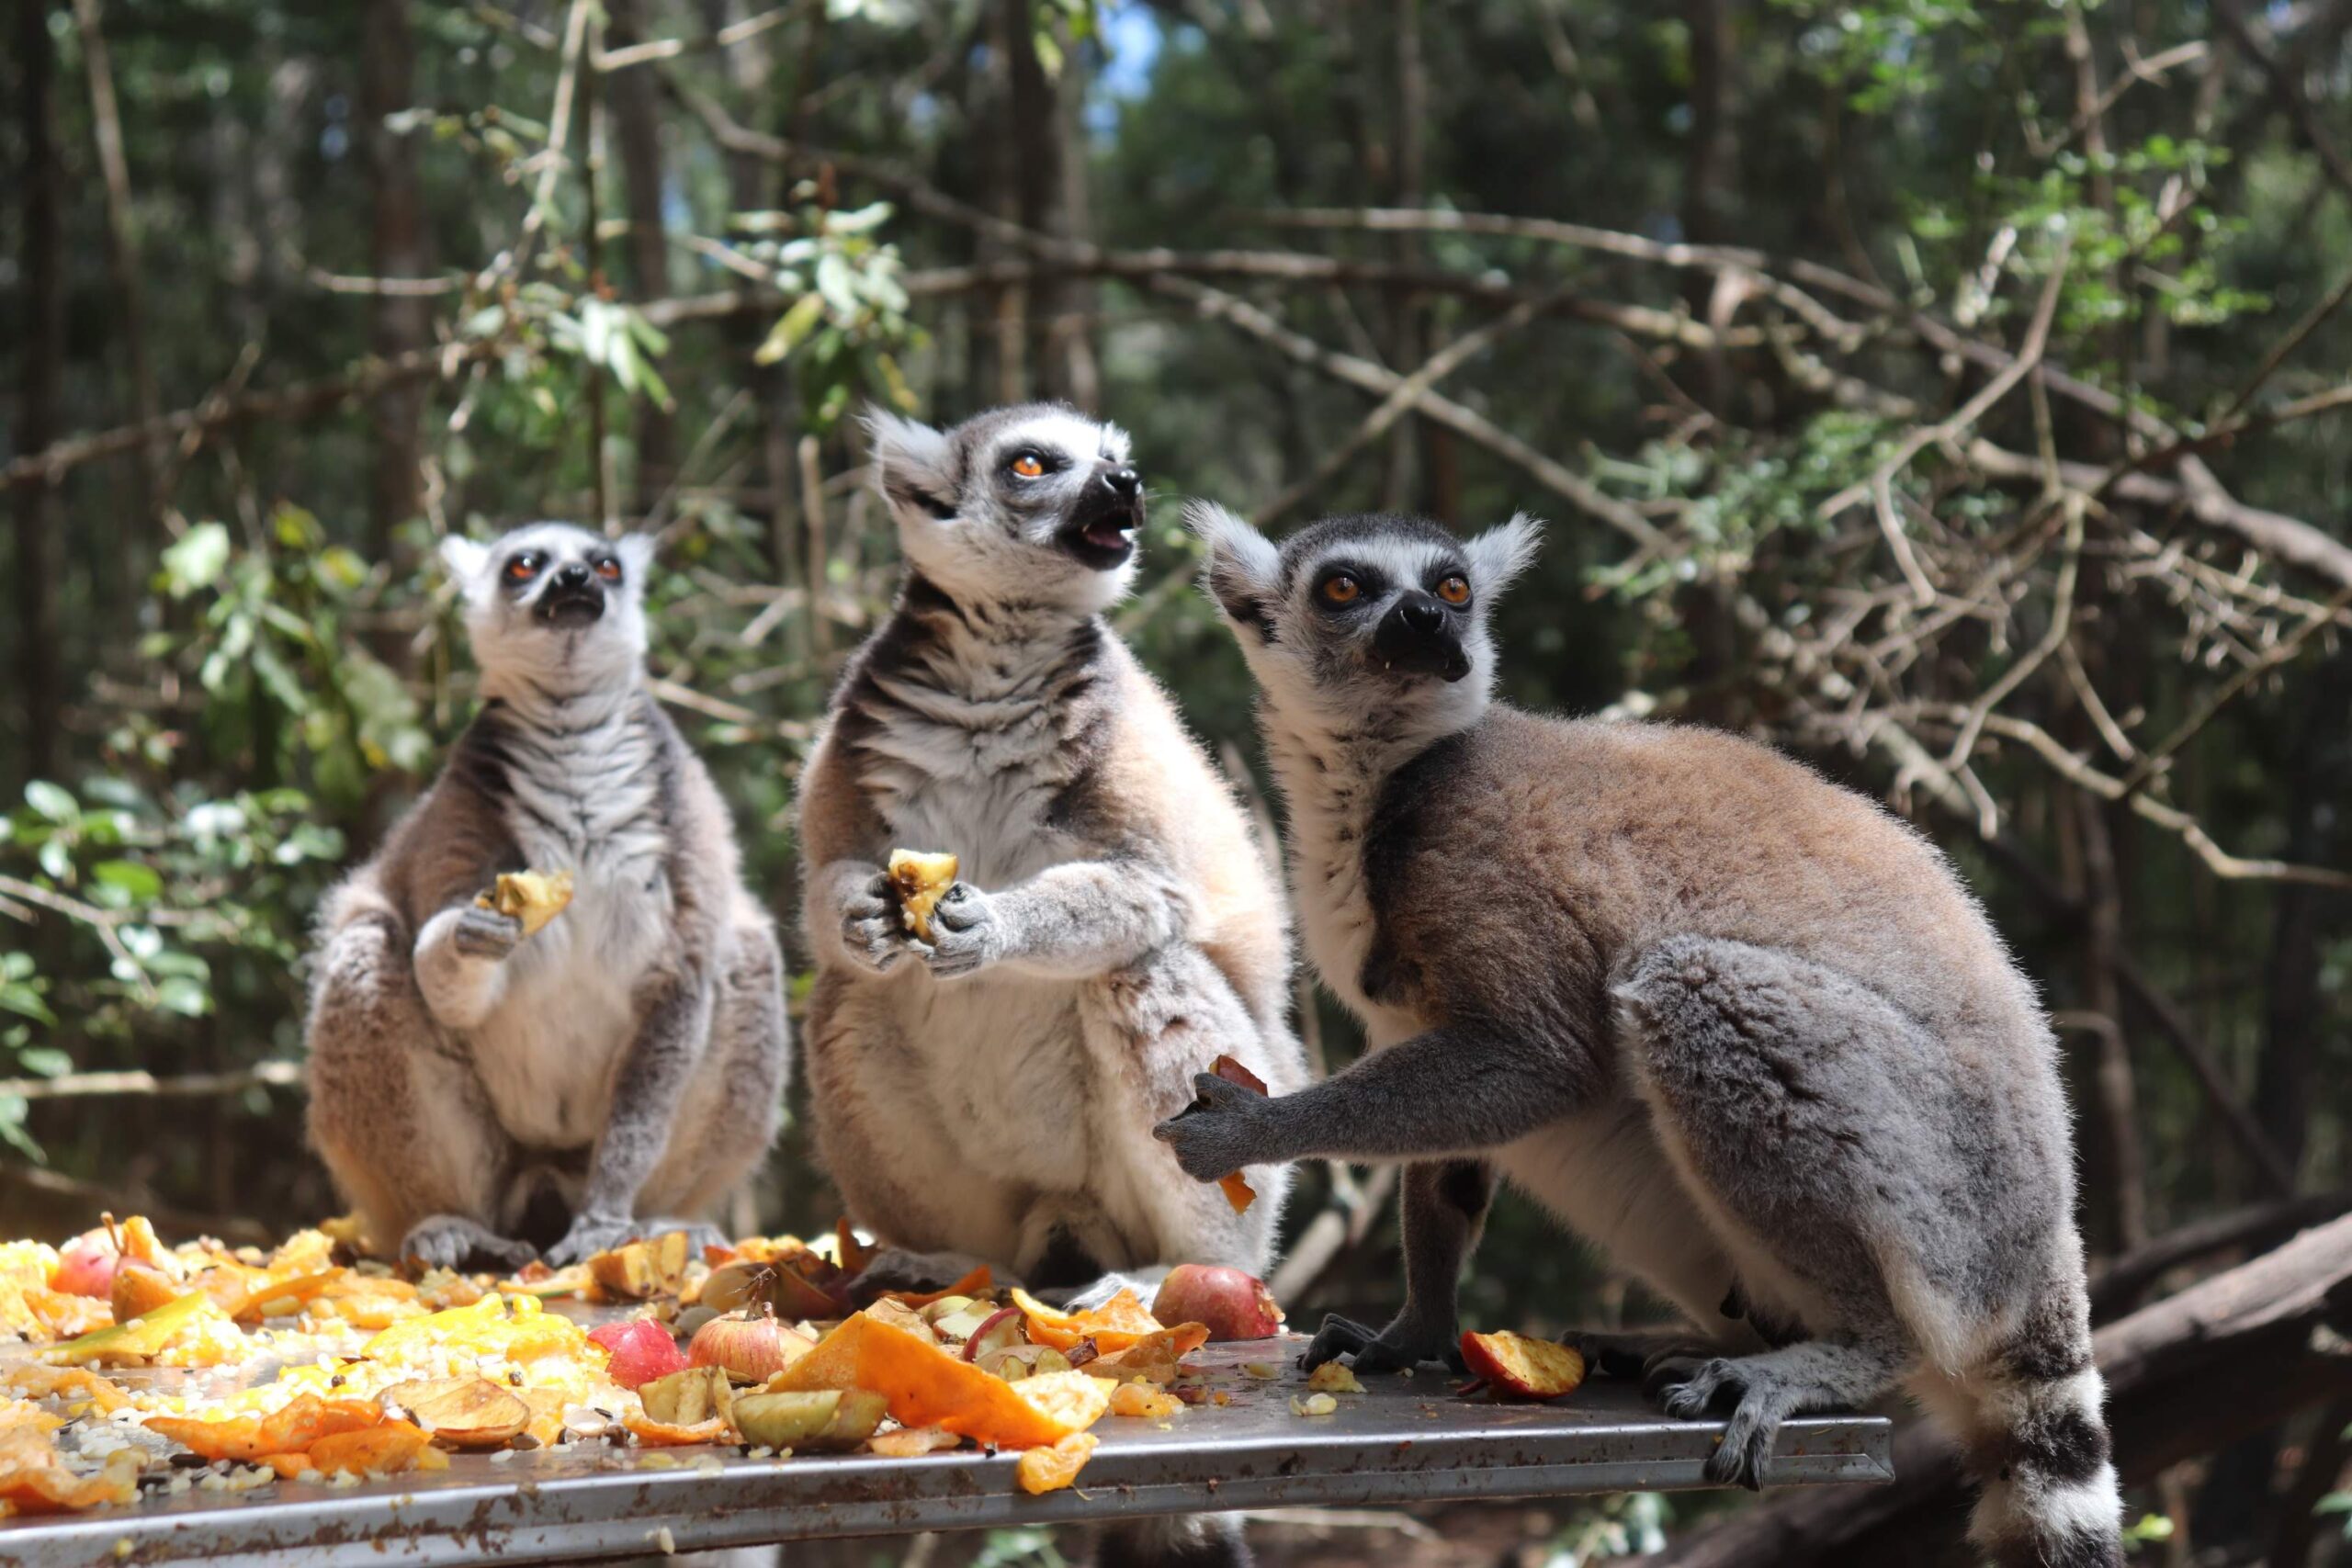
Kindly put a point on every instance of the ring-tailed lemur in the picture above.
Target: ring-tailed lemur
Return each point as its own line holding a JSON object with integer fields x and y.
{"x": 990, "y": 1094}
{"x": 628, "y": 1060}
{"x": 1741, "y": 1026}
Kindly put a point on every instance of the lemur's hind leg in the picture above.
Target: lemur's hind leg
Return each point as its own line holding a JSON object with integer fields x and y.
{"x": 396, "y": 1110}
{"x": 1440, "y": 1214}
{"x": 728, "y": 1118}
{"x": 1800, "y": 1108}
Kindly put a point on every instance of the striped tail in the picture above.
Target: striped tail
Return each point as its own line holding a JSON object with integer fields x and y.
{"x": 2042, "y": 1452}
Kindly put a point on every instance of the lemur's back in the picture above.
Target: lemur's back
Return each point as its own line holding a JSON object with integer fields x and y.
{"x": 1609, "y": 836}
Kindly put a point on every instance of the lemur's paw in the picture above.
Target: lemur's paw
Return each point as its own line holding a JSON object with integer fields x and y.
{"x": 1746, "y": 1443}
{"x": 967, "y": 933}
{"x": 1746, "y": 1447}
{"x": 592, "y": 1233}
{"x": 893, "y": 1269}
{"x": 1399, "y": 1348}
{"x": 449, "y": 1241}
{"x": 486, "y": 933}
{"x": 1223, "y": 1130}
{"x": 871, "y": 932}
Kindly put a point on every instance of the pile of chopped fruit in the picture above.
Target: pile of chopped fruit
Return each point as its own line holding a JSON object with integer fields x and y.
{"x": 758, "y": 1345}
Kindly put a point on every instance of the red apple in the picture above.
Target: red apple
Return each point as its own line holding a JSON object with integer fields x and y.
{"x": 1234, "y": 1306}
{"x": 86, "y": 1265}
{"x": 641, "y": 1351}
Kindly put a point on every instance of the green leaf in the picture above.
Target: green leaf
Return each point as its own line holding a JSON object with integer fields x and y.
{"x": 53, "y": 801}
{"x": 45, "y": 1061}
{"x": 195, "y": 559}
{"x": 793, "y": 328}
{"x": 177, "y": 993}
{"x": 138, "y": 883}
{"x": 26, "y": 1002}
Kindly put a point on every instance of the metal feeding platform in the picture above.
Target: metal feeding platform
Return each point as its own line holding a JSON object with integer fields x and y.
{"x": 1403, "y": 1442}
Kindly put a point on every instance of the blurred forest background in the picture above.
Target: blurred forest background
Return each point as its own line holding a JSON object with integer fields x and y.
{"x": 1950, "y": 391}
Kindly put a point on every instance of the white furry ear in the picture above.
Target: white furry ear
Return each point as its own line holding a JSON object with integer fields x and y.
{"x": 464, "y": 559}
{"x": 637, "y": 554}
{"x": 1498, "y": 555}
{"x": 1243, "y": 566}
{"x": 913, "y": 463}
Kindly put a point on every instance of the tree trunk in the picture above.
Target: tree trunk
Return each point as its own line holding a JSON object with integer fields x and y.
{"x": 1709, "y": 168}
{"x": 397, "y": 323}
{"x": 634, "y": 99}
{"x": 41, "y": 388}
{"x": 2117, "y": 1168}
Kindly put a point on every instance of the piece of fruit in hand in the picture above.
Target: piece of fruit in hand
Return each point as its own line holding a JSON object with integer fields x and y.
{"x": 533, "y": 897}
{"x": 1237, "y": 1188}
{"x": 1523, "y": 1368}
{"x": 920, "y": 880}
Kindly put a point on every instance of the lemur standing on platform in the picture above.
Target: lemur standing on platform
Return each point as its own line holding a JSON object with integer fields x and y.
{"x": 990, "y": 1094}
{"x": 1741, "y": 1026}
{"x": 627, "y": 1061}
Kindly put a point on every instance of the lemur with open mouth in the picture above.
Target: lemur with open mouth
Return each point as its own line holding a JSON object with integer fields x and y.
{"x": 1742, "y": 1027}
{"x": 620, "y": 1069}
{"x": 989, "y": 1095}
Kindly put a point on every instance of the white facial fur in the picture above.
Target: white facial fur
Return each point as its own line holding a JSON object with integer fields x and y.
{"x": 1320, "y": 670}
{"x": 525, "y": 656}
{"x": 977, "y": 529}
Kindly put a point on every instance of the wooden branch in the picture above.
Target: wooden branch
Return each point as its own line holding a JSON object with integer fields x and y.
{"x": 191, "y": 1085}
{"x": 2249, "y": 1331}
{"x": 298, "y": 400}
{"x": 2118, "y": 1288}
{"x": 1217, "y": 306}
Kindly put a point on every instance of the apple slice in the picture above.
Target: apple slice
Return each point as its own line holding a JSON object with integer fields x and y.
{"x": 1237, "y": 1188}
{"x": 1523, "y": 1368}
{"x": 1001, "y": 1331}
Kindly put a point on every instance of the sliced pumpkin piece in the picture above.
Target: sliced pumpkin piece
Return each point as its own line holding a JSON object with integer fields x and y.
{"x": 927, "y": 1388}
{"x": 1043, "y": 1470}
{"x": 385, "y": 1448}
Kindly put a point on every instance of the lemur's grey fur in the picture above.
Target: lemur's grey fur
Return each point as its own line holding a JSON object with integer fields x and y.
{"x": 1741, "y": 1026}
{"x": 1117, "y": 927}
{"x": 629, "y": 1059}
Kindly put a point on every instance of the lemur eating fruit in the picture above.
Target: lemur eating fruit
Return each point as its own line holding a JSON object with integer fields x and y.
{"x": 988, "y": 1094}
{"x": 1741, "y": 1026}
{"x": 627, "y": 1060}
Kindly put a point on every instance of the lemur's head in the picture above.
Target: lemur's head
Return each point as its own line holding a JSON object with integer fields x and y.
{"x": 1035, "y": 504}
{"x": 1372, "y": 621}
{"x": 553, "y": 605}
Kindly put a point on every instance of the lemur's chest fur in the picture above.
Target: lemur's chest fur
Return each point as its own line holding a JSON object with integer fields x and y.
{"x": 1334, "y": 792}
{"x": 587, "y": 796}
{"x": 970, "y": 731}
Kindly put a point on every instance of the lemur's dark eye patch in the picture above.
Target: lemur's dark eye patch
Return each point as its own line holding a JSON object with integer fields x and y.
{"x": 608, "y": 568}
{"x": 523, "y": 566}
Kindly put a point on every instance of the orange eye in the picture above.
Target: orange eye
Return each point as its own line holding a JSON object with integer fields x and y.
{"x": 1341, "y": 589}
{"x": 1028, "y": 465}
{"x": 609, "y": 569}
{"x": 522, "y": 569}
{"x": 1454, "y": 591}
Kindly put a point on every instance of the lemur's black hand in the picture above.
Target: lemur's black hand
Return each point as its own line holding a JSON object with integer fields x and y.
{"x": 1225, "y": 1128}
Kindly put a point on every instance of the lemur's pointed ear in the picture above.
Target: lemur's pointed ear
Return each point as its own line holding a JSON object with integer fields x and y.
{"x": 463, "y": 559}
{"x": 1243, "y": 570}
{"x": 913, "y": 463}
{"x": 1498, "y": 555}
{"x": 637, "y": 554}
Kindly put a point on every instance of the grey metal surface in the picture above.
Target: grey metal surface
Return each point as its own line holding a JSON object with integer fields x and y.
{"x": 1402, "y": 1441}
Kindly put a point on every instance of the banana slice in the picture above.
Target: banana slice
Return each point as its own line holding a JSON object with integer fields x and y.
{"x": 920, "y": 880}
{"x": 533, "y": 897}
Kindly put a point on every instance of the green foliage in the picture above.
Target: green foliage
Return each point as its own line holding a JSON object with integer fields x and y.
{"x": 848, "y": 326}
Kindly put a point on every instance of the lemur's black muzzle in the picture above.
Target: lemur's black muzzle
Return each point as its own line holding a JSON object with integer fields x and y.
{"x": 572, "y": 597}
{"x": 1418, "y": 637}
{"x": 1104, "y": 520}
